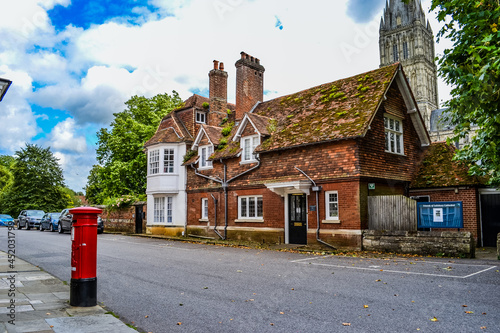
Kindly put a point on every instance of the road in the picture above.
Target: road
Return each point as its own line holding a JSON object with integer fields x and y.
{"x": 167, "y": 286}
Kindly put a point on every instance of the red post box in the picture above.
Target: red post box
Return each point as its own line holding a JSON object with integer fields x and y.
{"x": 83, "y": 289}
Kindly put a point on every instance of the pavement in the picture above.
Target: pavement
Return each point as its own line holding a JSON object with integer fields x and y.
{"x": 32, "y": 300}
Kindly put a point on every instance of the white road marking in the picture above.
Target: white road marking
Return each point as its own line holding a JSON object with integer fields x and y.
{"x": 376, "y": 268}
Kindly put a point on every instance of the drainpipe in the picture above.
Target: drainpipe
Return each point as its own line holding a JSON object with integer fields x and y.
{"x": 224, "y": 184}
{"x": 316, "y": 189}
{"x": 215, "y": 217}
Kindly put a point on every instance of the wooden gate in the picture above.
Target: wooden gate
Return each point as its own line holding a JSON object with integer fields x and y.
{"x": 392, "y": 212}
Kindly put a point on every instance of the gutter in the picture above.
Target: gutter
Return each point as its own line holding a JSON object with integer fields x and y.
{"x": 316, "y": 189}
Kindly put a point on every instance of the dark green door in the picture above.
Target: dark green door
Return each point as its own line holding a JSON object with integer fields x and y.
{"x": 297, "y": 215}
{"x": 490, "y": 207}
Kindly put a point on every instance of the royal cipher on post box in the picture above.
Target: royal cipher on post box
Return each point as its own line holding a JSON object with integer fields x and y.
{"x": 83, "y": 290}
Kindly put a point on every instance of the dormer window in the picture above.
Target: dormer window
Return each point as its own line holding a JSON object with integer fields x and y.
{"x": 201, "y": 117}
{"x": 204, "y": 152}
{"x": 249, "y": 143}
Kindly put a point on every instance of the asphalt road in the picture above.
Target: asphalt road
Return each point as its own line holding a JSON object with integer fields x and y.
{"x": 166, "y": 286}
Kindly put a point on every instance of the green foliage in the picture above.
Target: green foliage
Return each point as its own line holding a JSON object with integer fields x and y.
{"x": 205, "y": 105}
{"x": 122, "y": 163}
{"x": 123, "y": 201}
{"x": 226, "y": 130}
{"x": 37, "y": 183}
{"x": 189, "y": 154}
{"x": 472, "y": 68}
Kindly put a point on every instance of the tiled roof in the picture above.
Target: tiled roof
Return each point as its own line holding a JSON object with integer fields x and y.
{"x": 333, "y": 111}
{"x": 262, "y": 123}
{"x": 166, "y": 135}
{"x": 438, "y": 169}
{"x": 214, "y": 133}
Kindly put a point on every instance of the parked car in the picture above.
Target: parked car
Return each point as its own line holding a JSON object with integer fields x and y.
{"x": 65, "y": 221}
{"x": 29, "y": 219}
{"x": 50, "y": 221}
{"x": 100, "y": 225}
{"x": 5, "y": 220}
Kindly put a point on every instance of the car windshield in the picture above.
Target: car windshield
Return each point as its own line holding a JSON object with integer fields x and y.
{"x": 54, "y": 215}
{"x": 35, "y": 213}
{"x": 4, "y": 216}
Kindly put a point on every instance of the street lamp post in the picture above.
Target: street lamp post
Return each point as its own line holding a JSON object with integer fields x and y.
{"x": 4, "y": 86}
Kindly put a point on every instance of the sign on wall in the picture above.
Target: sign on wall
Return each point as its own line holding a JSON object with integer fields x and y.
{"x": 440, "y": 214}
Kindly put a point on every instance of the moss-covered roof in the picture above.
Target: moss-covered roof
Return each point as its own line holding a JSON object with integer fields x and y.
{"x": 261, "y": 123}
{"x": 332, "y": 111}
{"x": 214, "y": 133}
{"x": 438, "y": 169}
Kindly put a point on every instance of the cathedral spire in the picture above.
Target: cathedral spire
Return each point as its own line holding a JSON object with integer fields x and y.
{"x": 406, "y": 37}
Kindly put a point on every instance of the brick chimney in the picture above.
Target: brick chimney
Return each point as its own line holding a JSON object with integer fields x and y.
{"x": 249, "y": 84}
{"x": 218, "y": 94}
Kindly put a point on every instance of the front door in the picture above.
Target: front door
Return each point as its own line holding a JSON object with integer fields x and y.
{"x": 297, "y": 219}
{"x": 490, "y": 206}
{"x": 139, "y": 214}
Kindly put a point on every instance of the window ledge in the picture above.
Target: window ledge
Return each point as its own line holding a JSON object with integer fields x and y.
{"x": 331, "y": 221}
{"x": 248, "y": 162}
{"x": 390, "y": 152}
{"x": 203, "y": 220}
{"x": 249, "y": 220}
{"x": 206, "y": 168}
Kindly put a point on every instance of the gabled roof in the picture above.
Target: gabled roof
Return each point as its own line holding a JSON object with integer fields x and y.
{"x": 165, "y": 135}
{"x": 339, "y": 110}
{"x": 438, "y": 169}
{"x": 213, "y": 134}
{"x": 259, "y": 123}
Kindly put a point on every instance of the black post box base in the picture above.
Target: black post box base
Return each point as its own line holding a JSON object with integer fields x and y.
{"x": 83, "y": 292}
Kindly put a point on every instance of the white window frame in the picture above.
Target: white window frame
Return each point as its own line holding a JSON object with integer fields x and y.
{"x": 168, "y": 164}
{"x": 204, "y": 208}
{"x": 154, "y": 162}
{"x": 169, "y": 209}
{"x": 201, "y": 117}
{"x": 249, "y": 143}
{"x": 159, "y": 210}
{"x": 247, "y": 200}
{"x": 329, "y": 201}
{"x": 393, "y": 128}
{"x": 204, "y": 152}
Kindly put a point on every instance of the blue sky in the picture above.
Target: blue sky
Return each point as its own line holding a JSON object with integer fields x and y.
{"x": 75, "y": 63}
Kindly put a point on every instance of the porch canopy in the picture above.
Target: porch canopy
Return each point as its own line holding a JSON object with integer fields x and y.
{"x": 284, "y": 188}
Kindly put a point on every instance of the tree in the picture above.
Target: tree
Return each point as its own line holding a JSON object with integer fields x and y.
{"x": 472, "y": 68}
{"x": 121, "y": 168}
{"x": 38, "y": 182}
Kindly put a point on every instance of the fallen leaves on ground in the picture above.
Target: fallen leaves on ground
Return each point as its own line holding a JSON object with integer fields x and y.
{"x": 434, "y": 319}
{"x": 346, "y": 324}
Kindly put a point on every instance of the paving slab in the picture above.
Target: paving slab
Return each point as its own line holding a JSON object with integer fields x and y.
{"x": 42, "y": 304}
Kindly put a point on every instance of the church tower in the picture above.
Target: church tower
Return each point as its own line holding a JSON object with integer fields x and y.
{"x": 406, "y": 36}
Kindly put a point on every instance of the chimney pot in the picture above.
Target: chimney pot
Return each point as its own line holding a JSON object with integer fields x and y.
{"x": 216, "y": 64}
{"x": 221, "y": 66}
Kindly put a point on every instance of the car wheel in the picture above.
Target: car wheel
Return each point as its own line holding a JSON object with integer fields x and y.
{"x": 28, "y": 226}
{"x": 59, "y": 228}
{"x": 19, "y": 225}
{"x": 52, "y": 227}
{"x": 41, "y": 227}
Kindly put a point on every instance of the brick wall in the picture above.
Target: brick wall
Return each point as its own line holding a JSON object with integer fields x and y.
{"x": 374, "y": 161}
{"x": 469, "y": 198}
{"x": 122, "y": 220}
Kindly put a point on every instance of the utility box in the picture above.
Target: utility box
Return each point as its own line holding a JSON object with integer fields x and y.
{"x": 83, "y": 289}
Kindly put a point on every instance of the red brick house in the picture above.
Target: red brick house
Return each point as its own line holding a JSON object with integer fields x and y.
{"x": 440, "y": 178}
{"x": 298, "y": 169}
{"x": 166, "y": 180}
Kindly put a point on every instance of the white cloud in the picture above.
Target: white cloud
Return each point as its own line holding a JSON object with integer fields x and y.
{"x": 17, "y": 122}
{"x": 63, "y": 138}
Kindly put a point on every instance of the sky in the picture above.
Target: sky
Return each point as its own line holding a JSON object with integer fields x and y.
{"x": 74, "y": 63}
